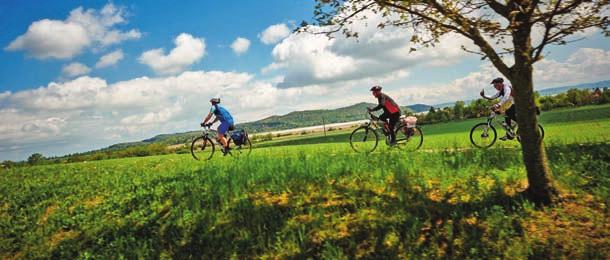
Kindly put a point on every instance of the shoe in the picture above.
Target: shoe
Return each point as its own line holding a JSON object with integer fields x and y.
{"x": 224, "y": 151}
{"x": 508, "y": 136}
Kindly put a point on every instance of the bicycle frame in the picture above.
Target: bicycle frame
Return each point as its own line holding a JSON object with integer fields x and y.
{"x": 374, "y": 122}
{"x": 491, "y": 119}
{"x": 213, "y": 134}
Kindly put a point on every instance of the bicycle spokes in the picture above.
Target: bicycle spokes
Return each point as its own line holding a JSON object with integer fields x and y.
{"x": 363, "y": 139}
{"x": 409, "y": 138}
{"x": 483, "y": 135}
{"x": 365, "y": 136}
{"x": 202, "y": 148}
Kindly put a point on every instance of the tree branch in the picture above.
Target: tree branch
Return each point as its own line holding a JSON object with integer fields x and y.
{"x": 548, "y": 26}
{"x": 423, "y": 16}
{"x": 476, "y": 36}
{"x": 498, "y": 7}
{"x": 340, "y": 25}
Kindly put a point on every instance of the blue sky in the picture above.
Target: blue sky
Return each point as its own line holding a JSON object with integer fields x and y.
{"x": 128, "y": 70}
{"x": 160, "y": 22}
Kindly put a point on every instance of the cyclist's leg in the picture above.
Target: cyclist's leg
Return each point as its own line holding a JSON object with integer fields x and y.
{"x": 384, "y": 118}
{"x": 510, "y": 115}
{"x": 394, "y": 118}
{"x": 222, "y": 130}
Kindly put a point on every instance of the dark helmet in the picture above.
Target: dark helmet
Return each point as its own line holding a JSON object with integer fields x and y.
{"x": 497, "y": 80}
{"x": 215, "y": 100}
{"x": 376, "y": 88}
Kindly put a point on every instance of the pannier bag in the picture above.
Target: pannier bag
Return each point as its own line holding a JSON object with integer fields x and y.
{"x": 410, "y": 121}
{"x": 239, "y": 137}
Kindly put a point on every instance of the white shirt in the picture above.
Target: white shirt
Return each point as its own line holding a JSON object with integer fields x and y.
{"x": 505, "y": 93}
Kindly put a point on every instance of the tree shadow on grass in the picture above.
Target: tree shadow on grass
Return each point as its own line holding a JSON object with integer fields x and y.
{"x": 244, "y": 230}
{"x": 431, "y": 227}
{"x": 357, "y": 222}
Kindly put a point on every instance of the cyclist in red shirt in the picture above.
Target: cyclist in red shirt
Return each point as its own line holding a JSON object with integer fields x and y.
{"x": 391, "y": 112}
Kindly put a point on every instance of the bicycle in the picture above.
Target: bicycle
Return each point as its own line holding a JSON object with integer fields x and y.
{"x": 202, "y": 147}
{"x": 365, "y": 138}
{"x": 484, "y": 135}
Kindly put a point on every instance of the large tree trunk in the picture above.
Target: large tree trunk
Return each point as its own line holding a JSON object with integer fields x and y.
{"x": 540, "y": 190}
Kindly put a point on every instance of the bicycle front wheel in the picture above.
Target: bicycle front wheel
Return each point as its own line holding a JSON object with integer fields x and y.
{"x": 483, "y": 135}
{"x": 409, "y": 138}
{"x": 202, "y": 148}
{"x": 364, "y": 139}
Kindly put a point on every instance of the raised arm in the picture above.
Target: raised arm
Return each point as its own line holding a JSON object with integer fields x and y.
{"x": 490, "y": 97}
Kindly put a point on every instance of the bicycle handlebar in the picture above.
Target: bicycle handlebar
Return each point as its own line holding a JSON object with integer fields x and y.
{"x": 374, "y": 117}
{"x": 206, "y": 126}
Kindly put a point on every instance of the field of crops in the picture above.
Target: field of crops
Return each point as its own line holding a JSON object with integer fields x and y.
{"x": 311, "y": 196}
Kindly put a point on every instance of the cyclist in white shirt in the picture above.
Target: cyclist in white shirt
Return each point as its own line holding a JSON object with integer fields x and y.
{"x": 505, "y": 94}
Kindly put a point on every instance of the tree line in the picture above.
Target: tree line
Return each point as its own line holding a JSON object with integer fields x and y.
{"x": 480, "y": 107}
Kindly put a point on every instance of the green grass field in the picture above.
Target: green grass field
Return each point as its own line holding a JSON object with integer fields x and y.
{"x": 312, "y": 197}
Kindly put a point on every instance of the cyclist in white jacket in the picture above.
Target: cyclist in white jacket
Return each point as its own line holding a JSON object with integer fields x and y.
{"x": 505, "y": 94}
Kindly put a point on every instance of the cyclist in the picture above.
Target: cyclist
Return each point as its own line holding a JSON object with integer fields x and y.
{"x": 506, "y": 100}
{"x": 391, "y": 112}
{"x": 226, "y": 122}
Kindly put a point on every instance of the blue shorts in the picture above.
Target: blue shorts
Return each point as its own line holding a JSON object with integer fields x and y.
{"x": 224, "y": 127}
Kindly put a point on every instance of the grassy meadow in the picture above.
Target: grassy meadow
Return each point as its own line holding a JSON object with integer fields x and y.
{"x": 310, "y": 196}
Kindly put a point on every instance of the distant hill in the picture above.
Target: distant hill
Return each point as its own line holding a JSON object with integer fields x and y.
{"x": 307, "y": 118}
{"x": 448, "y": 104}
{"x": 557, "y": 90}
{"x": 419, "y": 108}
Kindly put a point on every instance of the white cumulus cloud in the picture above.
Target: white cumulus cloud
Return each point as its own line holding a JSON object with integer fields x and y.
{"x": 307, "y": 58}
{"x": 274, "y": 33}
{"x": 75, "y": 69}
{"x": 188, "y": 50}
{"x": 240, "y": 45}
{"x": 64, "y": 39}
{"x": 52, "y": 39}
{"x": 584, "y": 65}
{"x": 110, "y": 59}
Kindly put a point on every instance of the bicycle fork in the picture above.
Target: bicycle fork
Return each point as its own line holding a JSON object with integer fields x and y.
{"x": 486, "y": 129}
{"x": 366, "y": 134}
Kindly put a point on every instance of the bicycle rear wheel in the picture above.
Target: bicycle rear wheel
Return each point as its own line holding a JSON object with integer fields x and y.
{"x": 483, "y": 135}
{"x": 240, "y": 150}
{"x": 202, "y": 148}
{"x": 409, "y": 139}
{"x": 364, "y": 139}
{"x": 540, "y": 129}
